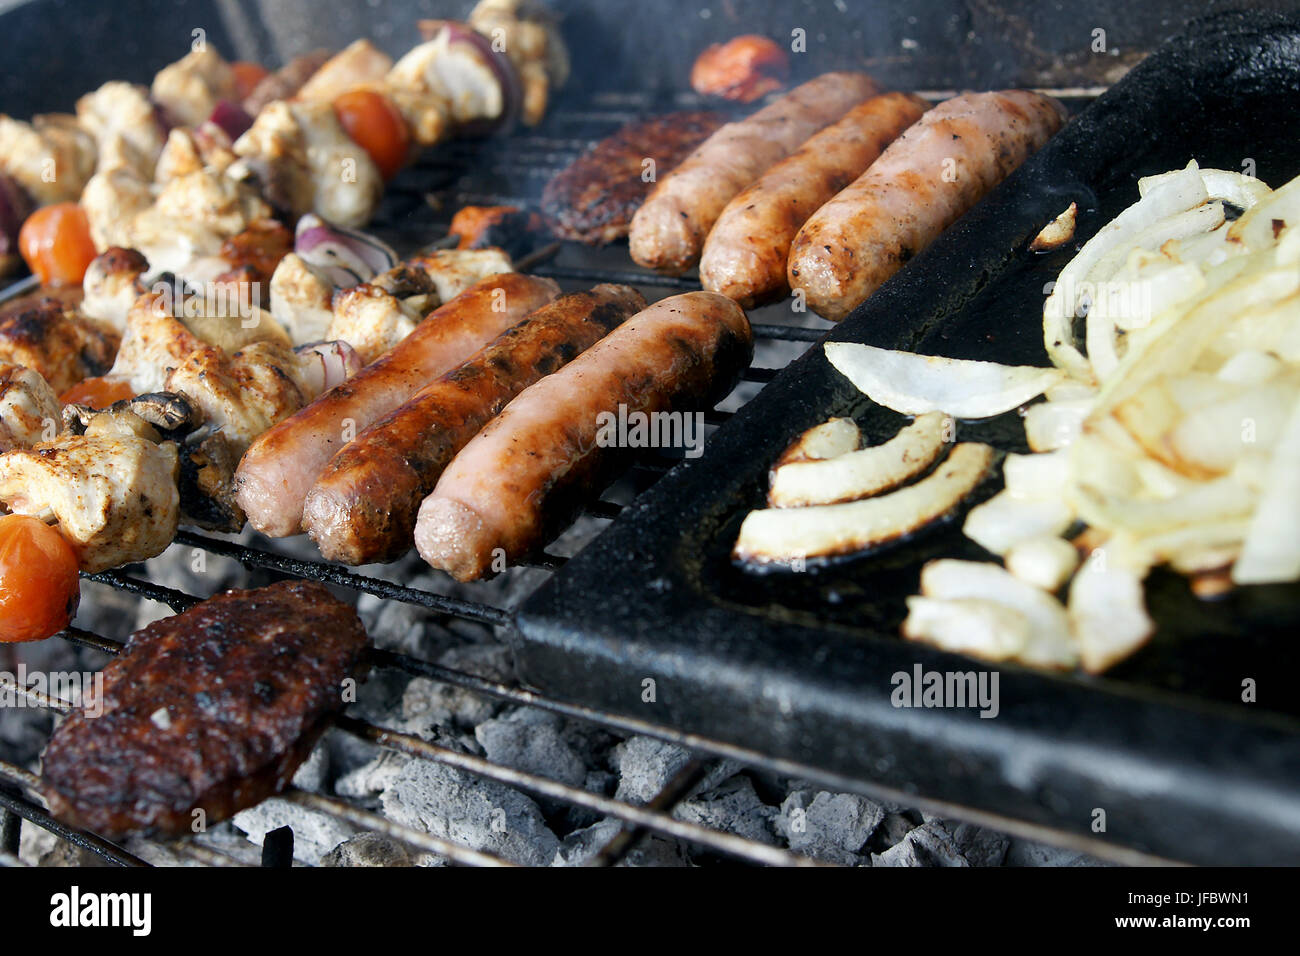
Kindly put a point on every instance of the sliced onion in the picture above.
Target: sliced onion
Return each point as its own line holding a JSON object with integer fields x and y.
{"x": 1272, "y": 549}
{"x": 1050, "y": 644}
{"x": 348, "y": 257}
{"x": 1108, "y": 612}
{"x": 326, "y": 364}
{"x": 915, "y": 384}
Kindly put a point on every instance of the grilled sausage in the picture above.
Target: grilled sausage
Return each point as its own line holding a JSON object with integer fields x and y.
{"x": 921, "y": 184}
{"x": 745, "y": 254}
{"x": 521, "y": 477}
{"x": 280, "y": 467}
{"x": 363, "y": 506}
{"x": 668, "y": 231}
{"x": 209, "y": 710}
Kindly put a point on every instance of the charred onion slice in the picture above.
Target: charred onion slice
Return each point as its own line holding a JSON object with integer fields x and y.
{"x": 838, "y": 436}
{"x": 1050, "y": 642}
{"x": 790, "y": 535}
{"x": 982, "y": 628}
{"x": 1108, "y": 612}
{"x": 1057, "y": 232}
{"x": 861, "y": 474}
{"x": 915, "y": 384}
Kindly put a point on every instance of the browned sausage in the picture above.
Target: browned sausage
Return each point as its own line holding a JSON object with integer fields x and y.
{"x": 939, "y": 168}
{"x": 363, "y": 506}
{"x": 279, "y": 468}
{"x": 745, "y": 254}
{"x": 668, "y": 231}
{"x": 521, "y": 477}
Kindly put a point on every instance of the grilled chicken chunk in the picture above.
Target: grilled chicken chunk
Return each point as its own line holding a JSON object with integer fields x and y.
{"x": 305, "y": 162}
{"x": 375, "y": 316}
{"x": 191, "y": 87}
{"x": 286, "y": 82}
{"x": 29, "y": 409}
{"x": 301, "y": 299}
{"x": 357, "y": 65}
{"x": 594, "y": 198}
{"x": 113, "y": 281}
{"x": 121, "y": 113}
{"x": 211, "y": 710}
{"x": 51, "y": 157}
{"x": 531, "y": 39}
{"x": 113, "y": 494}
{"x": 261, "y": 384}
{"x": 50, "y": 335}
{"x": 206, "y": 146}
{"x": 452, "y": 271}
{"x": 371, "y": 320}
{"x": 156, "y": 341}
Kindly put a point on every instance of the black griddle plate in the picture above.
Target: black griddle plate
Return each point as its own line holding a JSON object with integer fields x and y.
{"x": 800, "y": 666}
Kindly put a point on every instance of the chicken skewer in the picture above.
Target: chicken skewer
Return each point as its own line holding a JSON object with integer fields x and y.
{"x": 316, "y": 136}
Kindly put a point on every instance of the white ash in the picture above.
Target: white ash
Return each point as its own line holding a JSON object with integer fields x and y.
{"x": 582, "y": 845}
{"x": 833, "y": 827}
{"x": 377, "y": 849}
{"x": 734, "y": 807}
{"x": 314, "y": 833}
{"x": 1029, "y": 853}
{"x": 480, "y": 814}
{"x": 530, "y": 740}
{"x": 930, "y": 844}
{"x": 646, "y": 765}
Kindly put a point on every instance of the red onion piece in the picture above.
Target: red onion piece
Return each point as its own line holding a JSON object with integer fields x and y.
{"x": 479, "y": 47}
{"x": 231, "y": 118}
{"x": 348, "y": 257}
{"x": 15, "y": 207}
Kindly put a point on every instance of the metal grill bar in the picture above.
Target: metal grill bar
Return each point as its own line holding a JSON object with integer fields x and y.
{"x": 104, "y": 849}
{"x": 542, "y": 786}
{"x": 333, "y": 574}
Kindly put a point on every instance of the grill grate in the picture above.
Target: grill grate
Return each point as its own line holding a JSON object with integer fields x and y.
{"x": 510, "y": 171}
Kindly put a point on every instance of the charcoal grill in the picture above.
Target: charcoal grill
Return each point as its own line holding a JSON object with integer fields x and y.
{"x": 501, "y": 171}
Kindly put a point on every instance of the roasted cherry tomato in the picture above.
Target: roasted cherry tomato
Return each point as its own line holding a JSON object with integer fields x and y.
{"x": 377, "y": 126}
{"x": 247, "y": 76}
{"x": 39, "y": 586}
{"x": 99, "y": 392}
{"x": 742, "y": 69}
{"x": 55, "y": 242}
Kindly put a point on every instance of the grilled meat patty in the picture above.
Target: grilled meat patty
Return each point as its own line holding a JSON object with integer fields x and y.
{"x": 594, "y": 199}
{"x": 211, "y": 710}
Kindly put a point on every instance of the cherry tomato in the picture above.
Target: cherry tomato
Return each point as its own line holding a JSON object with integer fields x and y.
{"x": 377, "y": 126}
{"x": 99, "y": 392}
{"x": 741, "y": 69}
{"x": 55, "y": 242}
{"x": 247, "y": 76}
{"x": 39, "y": 586}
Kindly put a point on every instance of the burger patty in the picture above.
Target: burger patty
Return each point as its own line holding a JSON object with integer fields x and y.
{"x": 211, "y": 710}
{"x": 594, "y": 198}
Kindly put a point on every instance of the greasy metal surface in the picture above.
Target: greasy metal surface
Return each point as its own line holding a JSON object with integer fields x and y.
{"x": 800, "y": 666}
